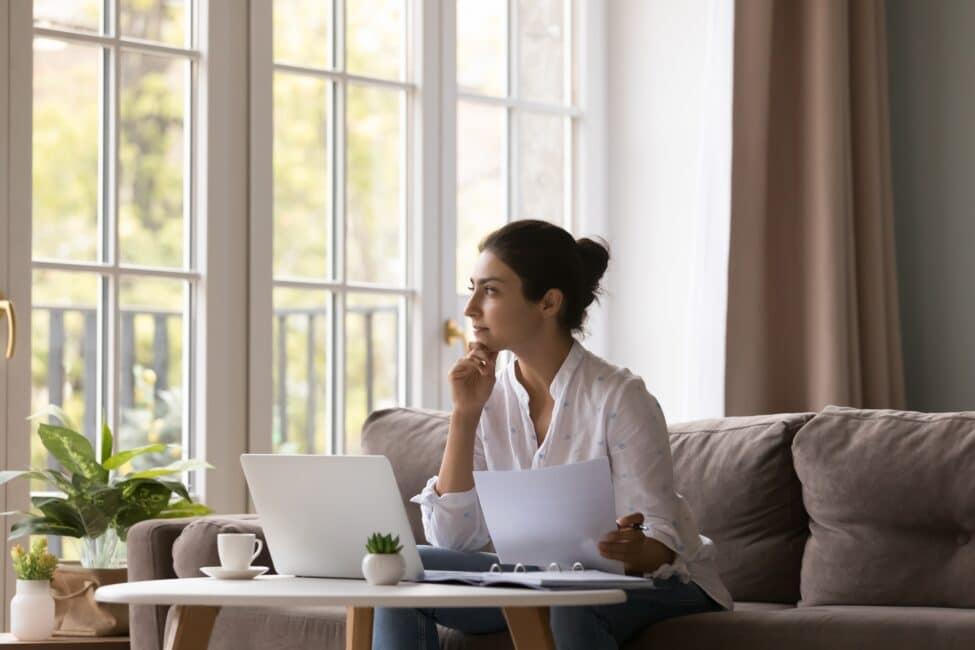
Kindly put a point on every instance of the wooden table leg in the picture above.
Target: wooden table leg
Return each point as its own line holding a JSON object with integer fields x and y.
{"x": 191, "y": 627}
{"x": 358, "y": 628}
{"x": 529, "y": 628}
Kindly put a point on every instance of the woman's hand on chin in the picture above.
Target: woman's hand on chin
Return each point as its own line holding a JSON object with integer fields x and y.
{"x": 472, "y": 378}
{"x": 638, "y": 553}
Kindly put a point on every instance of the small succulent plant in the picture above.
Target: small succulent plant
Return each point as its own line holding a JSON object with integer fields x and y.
{"x": 379, "y": 544}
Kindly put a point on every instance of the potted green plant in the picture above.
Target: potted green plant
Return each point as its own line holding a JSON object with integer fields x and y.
{"x": 32, "y": 607}
{"x": 383, "y": 564}
{"x": 100, "y": 504}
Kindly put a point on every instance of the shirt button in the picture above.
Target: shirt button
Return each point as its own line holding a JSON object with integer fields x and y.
{"x": 963, "y": 538}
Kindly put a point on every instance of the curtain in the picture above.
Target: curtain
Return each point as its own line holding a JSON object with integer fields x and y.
{"x": 812, "y": 315}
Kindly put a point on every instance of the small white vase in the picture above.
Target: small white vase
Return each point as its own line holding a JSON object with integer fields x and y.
{"x": 32, "y": 610}
{"x": 383, "y": 568}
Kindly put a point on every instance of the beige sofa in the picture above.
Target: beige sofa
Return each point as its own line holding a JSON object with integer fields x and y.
{"x": 846, "y": 529}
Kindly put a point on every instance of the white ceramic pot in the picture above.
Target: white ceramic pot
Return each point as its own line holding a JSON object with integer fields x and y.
{"x": 383, "y": 568}
{"x": 32, "y": 610}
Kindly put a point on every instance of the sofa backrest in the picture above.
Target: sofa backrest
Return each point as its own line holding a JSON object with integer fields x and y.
{"x": 414, "y": 440}
{"x": 891, "y": 501}
{"x": 736, "y": 474}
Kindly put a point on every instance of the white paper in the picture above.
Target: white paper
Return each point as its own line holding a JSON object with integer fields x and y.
{"x": 553, "y": 514}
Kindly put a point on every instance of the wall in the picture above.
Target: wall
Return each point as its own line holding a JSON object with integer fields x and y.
{"x": 931, "y": 56}
{"x": 656, "y": 51}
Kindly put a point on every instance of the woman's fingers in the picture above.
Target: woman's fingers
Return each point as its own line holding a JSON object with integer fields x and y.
{"x": 623, "y": 551}
{"x": 482, "y": 351}
{"x": 626, "y": 534}
{"x": 630, "y": 519}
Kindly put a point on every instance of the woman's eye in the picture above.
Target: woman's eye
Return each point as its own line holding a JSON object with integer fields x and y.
{"x": 489, "y": 290}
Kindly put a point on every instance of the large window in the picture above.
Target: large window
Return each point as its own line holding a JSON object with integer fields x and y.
{"x": 342, "y": 98}
{"x": 114, "y": 247}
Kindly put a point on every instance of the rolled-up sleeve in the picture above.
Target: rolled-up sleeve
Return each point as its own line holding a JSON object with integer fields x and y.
{"x": 454, "y": 520}
{"x": 643, "y": 475}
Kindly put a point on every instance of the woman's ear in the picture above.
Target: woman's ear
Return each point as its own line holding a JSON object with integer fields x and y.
{"x": 551, "y": 302}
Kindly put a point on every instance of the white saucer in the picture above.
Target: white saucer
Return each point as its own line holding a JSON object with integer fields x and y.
{"x": 221, "y": 573}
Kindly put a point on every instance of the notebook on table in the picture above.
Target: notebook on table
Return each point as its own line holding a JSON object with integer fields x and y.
{"x": 590, "y": 579}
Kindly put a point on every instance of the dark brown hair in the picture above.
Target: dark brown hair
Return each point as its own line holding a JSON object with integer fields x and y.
{"x": 547, "y": 257}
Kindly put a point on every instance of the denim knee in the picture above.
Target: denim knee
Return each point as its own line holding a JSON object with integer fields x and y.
{"x": 580, "y": 628}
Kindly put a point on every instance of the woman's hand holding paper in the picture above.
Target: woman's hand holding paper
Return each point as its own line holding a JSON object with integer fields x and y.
{"x": 638, "y": 553}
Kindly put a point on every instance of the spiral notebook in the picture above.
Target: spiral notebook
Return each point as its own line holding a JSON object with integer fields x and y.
{"x": 579, "y": 579}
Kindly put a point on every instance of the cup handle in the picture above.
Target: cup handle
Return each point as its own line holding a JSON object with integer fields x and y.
{"x": 260, "y": 547}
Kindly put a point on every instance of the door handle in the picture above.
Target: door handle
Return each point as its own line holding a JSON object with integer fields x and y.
{"x": 7, "y": 308}
{"x": 453, "y": 332}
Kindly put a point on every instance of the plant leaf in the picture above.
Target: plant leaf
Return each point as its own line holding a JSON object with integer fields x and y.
{"x": 54, "y": 477}
{"x": 182, "y": 509}
{"x": 98, "y": 508}
{"x": 177, "y": 467}
{"x": 51, "y": 476}
{"x": 121, "y": 458}
{"x": 57, "y": 510}
{"x": 178, "y": 488}
{"x": 9, "y": 475}
{"x": 73, "y": 451}
{"x": 43, "y": 526}
{"x": 106, "y": 443}
{"x": 147, "y": 495}
{"x": 57, "y": 412}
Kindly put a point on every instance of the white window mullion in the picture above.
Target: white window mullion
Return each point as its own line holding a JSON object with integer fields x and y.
{"x": 111, "y": 293}
{"x": 216, "y": 347}
{"x": 340, "y": 216}
{"x": 260, "y": 254}
{"x": 512, "y": 183}
{"x": 436, "y": 200}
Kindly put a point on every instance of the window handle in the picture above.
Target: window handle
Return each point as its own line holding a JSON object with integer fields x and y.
{"x": 7, "y": 307}
{"x": 453, "y": 332}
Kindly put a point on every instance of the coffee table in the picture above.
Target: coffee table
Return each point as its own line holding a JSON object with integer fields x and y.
{"x": 198, "y": 601}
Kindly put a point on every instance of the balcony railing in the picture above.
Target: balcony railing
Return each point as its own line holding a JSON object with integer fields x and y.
{"x": 159, "y": 363}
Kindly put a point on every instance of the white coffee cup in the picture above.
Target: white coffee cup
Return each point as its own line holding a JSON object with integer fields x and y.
{"x": 236, "y": 550}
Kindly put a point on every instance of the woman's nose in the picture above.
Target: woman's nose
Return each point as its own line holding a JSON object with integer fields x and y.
{"x": 471, "y": 309}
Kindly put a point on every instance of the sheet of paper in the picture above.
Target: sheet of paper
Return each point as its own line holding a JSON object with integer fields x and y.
{"x": 553, "y": 514}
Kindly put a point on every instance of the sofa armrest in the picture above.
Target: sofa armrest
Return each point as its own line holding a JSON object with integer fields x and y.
{"x": 149, "y": 552}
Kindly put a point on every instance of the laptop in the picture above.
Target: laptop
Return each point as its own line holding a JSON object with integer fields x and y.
{"x": 318, "y": 511}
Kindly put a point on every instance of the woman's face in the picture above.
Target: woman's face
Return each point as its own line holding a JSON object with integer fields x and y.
{"x": 501, "y": 315}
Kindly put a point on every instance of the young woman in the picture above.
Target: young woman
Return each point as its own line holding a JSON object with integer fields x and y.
{"x": 555, "y": 403}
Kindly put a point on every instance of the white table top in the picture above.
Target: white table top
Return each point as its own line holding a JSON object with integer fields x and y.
{"x": 279, "y": 591}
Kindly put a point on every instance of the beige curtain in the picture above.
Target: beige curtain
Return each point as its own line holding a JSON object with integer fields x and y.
{"x": 812, "y": 288}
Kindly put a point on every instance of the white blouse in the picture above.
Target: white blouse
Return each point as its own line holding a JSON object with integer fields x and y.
{"x": 600, "y": 410}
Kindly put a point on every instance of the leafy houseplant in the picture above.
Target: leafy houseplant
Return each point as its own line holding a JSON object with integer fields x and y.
{"x": 383, "y": 564}
{"x": 32, "y": 608}
{"x": 100, "y": 505}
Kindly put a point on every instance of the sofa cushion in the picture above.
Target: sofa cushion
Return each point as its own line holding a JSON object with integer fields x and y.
{"x": 815, "y": 628}
{"x": 891, "y": 501}
{"x": 736, "y": 474}
{"x": 414, "y": 441}
{"x": 196, "y": 546}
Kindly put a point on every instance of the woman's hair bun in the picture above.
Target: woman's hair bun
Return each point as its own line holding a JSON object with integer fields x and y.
{"x": 595, "y": 258}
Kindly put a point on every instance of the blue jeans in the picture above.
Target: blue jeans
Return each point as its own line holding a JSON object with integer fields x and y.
{"x": 585, "y": 628}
